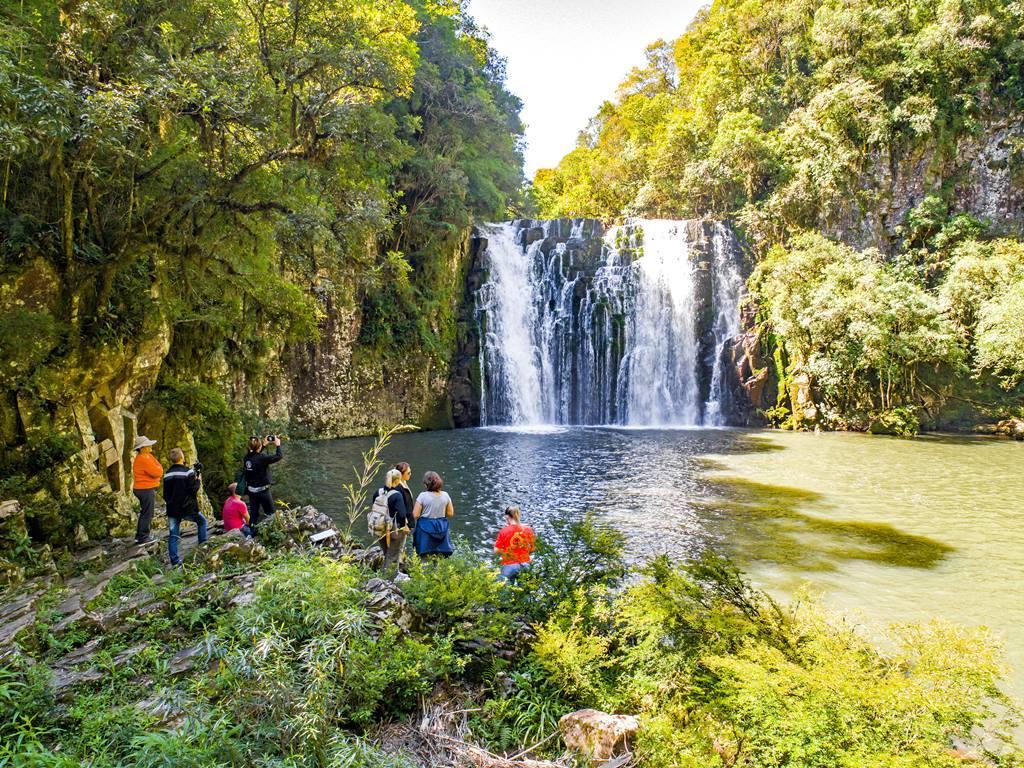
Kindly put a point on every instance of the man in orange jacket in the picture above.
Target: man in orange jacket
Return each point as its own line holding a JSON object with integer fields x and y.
{"x": 147, "y": 472}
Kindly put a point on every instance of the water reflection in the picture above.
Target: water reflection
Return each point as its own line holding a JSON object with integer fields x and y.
{"x": 657, "y": 486}
{"x": 648, "y": 482}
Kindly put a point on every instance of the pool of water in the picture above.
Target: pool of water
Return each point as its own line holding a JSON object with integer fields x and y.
{"x": 885, "y": 529}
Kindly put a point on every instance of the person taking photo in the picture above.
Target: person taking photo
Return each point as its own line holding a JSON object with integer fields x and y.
{"x": 256, "y": 467}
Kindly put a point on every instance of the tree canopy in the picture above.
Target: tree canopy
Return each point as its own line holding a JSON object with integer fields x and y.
{"x": 213, "y": 164}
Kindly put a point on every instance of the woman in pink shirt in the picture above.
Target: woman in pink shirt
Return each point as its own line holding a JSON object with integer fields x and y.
{"x": 234, "y": 513}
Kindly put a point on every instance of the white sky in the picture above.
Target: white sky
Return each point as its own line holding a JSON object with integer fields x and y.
{"x": 565, "y": 57}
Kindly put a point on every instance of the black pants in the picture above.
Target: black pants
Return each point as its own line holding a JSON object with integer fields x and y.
{"x": 260, "y": 503}
{"x": 147, "y": 499}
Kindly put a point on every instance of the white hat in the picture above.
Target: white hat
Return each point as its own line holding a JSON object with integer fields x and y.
{"x": 142, "y": 441}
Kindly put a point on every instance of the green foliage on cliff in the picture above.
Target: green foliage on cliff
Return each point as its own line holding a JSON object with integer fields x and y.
{"x": 858, "y": 327}
{"x": 216, "y": 427}
{"x": 773, "y": 110}
{"x": 882, "y": 339}
{"x": 204, "y": 174}
{"x": 855, "y": 119}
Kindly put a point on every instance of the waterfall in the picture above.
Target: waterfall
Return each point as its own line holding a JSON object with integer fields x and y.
{"x": 510, "y": 351}
{"x": 628, "y": 328}
{"x": 728, "y": 291}
{"x": 659, "y": 385}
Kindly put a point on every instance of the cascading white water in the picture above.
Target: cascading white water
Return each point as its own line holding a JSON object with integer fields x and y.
{"x": 728, "y": 290}
{"x": 660, "y": 365}
{"x": 631, "y": 330}
{"x": 509, "y": 346}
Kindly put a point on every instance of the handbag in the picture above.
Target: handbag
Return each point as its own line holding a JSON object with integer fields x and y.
{"x": 241, "y": 487}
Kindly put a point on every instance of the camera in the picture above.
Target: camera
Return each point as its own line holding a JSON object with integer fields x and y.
{"x": 198, "y": 467}
{"x": 271, "y": 438}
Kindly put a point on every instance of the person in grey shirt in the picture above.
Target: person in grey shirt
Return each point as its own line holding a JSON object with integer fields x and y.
{"x": 432, "y": 511}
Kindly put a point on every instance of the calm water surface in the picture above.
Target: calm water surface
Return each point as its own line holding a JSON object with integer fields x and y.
{"x": 886, "y": 529}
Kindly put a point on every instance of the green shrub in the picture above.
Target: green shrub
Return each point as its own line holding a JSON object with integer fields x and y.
{"x": 306, "y": 658}
{"x": 573, "y": 658}
{"x": 460, "y": 594}
{"x": 523, "y": 709}
{"x": 577, "y": 558}
{"x": 198, "y": 743}
{"x": 902, "y": 422}
{"x": 103, "y": 724}
{"x": 26, "y": 704}
{"x": 841, "y": 702}
{"x": 721, "y": 675}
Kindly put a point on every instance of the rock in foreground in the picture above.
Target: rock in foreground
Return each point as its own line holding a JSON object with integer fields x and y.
{"x": 598, "y": 735}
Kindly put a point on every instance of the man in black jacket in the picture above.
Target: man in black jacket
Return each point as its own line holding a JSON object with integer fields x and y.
{"x": 257, "y": 477}
{"x": 181, "y": 489}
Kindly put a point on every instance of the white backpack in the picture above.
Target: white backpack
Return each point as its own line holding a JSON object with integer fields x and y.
{"x": 378, "y": 519}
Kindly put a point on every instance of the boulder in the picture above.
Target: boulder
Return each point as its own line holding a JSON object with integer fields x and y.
{"x": 388, "y": 605}
{"x": 597, "y": 735}
{"x": 235, "y": 551}
{"x": 66, "y": 676}
{"x": 299, "y": 524}
{"x": 371, "y": 557}
{"x": 185, "y": 660}
{"x": 1013, "y": 428}
{"x": 19, "y": 612}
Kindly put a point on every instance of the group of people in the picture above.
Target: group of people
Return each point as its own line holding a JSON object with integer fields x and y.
{"x": 181, "y": 484}
{"x": 393, "y": 516}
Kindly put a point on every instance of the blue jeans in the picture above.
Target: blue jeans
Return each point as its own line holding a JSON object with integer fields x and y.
{"x": 174, "y": 534}
{"x": 510, "y": 572}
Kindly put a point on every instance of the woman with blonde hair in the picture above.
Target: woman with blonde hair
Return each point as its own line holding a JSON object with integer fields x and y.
{"x": 389, "y": 504}
{"x": 514, "y": 545}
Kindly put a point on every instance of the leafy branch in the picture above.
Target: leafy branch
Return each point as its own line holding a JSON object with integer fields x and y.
{"x": 355, "y": 492}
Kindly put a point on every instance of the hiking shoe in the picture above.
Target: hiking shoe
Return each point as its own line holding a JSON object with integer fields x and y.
{"x": 143, "y": 542}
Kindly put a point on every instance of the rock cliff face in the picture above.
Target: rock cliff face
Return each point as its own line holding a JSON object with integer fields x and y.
{"x": 336, "y": 388}
{"x": 95, "y": 404}
{"x": 984, "y": 174}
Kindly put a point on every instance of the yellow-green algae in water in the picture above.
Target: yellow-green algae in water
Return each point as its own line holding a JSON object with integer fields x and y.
{"x": 889, "y": 529}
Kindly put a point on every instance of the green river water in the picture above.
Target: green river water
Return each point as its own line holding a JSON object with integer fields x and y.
{"x": 888, "y": 530}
